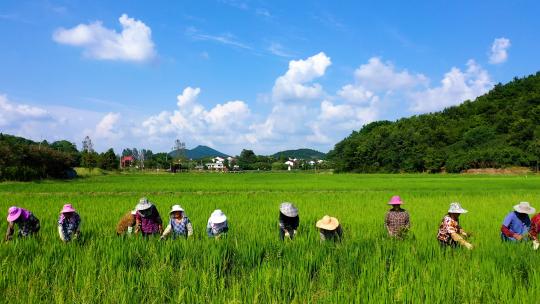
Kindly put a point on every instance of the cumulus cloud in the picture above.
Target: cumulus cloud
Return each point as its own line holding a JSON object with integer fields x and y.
{"x": 222, "y": 124}
{"x": 106, "y": 128}
{"x": 296, "y": 83}
{"x": 455, "y": 87}
{"x": 16, "y": 114}
{"x": 133, "y": 43}
{"x": 499, "y": 53}
{"x": 382, "y": 76}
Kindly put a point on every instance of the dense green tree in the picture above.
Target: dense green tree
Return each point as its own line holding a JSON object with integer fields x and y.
{"x": 108, "y": 160}
{"x": 498, "y": 129}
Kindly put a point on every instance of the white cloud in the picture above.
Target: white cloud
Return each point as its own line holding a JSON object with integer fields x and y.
{"x": 455, "y": 87}
{"x": 14, "y": 114}
{"x": 133, "y": 43}
{"x": 498, "y": 53}
{"x": 380, "y": 76}
{"x": 278, "y": 50}
{"x": 355, "y": 93}
{"x": 106, "y": 128}
{"x": 189, "y": 96}
{"x": 227, "y": 38}
{"x": 222, "y": 124}
{"x": 295, "y": 84}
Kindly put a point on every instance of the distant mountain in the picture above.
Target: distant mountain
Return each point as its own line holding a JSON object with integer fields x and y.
{"x": 301, "y": 154}
{"x": 198, "y": 153}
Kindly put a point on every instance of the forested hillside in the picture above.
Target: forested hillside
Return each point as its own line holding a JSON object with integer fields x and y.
{"x": 498, "y": 129}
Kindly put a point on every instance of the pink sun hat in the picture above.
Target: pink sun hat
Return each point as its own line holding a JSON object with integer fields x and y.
{"x": 395, "y": 200}
{"x": 14, "y": 213}
{"x": 68, "y": 208}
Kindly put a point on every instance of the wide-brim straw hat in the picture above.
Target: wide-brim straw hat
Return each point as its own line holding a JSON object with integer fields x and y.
{"x": 456, "y": 208}
{"x": 143, "y": 204}
{"x": 14, "y": 213}
{"x": 395, "y": 200}
{"x": 328, "y": 223}
{"x": 288, "y": 209}
{"x": 524, "y": 207}
{"x": 176, "y": 208}
{"x": 218, "y": 217}
{"x": 68, "y": 208}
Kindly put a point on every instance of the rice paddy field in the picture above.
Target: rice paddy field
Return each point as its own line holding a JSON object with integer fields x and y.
{"x": 251, "y": 265}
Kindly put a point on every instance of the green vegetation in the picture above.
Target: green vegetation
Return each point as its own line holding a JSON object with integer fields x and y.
{"x": 252, "y": 265}
{"x": 300, "y": 154}
{"x": 197, "y": 153}
{"x": 499, "y": 129}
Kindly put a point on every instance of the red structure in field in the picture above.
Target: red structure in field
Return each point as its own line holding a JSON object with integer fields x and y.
{"x": 126, "y": 161}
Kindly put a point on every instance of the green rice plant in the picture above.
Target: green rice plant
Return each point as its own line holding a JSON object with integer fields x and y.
{"x": 251, "y": 264}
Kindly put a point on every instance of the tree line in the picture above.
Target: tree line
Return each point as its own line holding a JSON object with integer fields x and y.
{"x": 498, "y": 129}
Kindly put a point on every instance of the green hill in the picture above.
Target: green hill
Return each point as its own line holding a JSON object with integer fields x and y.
{"x": 198, "y": 153}
{"x": 300, "y": 154}
{"x": 498, "y": 129}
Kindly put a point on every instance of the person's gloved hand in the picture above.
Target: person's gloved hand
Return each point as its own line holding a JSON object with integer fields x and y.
{"x": 468, "y": 245}
{"x": 536, "y": 244}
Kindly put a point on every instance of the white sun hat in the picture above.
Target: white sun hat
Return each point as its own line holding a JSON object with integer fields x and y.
{"x": 288, "y": 209}
{"x": 455, "y": 207}
{"x": 143, "y": 204}
{"x": 176, "y": 208}
{"x": 218, "y": 217}
{"x": 524, "y": 207}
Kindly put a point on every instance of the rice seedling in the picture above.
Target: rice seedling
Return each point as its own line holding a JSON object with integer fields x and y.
{"x": 251, "y": 264}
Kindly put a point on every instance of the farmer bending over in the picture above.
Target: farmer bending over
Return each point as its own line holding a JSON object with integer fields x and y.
{"x": 329, "y": 229}
{"x": 517, "y": 223}
{"x": 27, "y": 222}
{"x": 450, "y": 232}
{"x": 535, "y": 228}
{"x": 179, "y": 224}
{"x": 68, "y": 223}
{"x": 288, "y": 220}
{"x": 217, "y": 224}
{"x": 147, "y": 219}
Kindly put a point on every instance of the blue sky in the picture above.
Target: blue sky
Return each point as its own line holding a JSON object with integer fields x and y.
{"x": 262, "y": 75}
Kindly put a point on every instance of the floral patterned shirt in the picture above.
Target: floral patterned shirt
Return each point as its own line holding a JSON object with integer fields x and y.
{"x": 447, "y": 227}
{"x": 69, "y": 225}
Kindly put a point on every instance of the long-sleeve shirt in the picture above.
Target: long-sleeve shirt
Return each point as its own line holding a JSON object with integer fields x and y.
{"x": 68, "y": 227}
{"x": 28, "y": 224}
{"x": 331, "y": 235}
{"x": 448, "y": 227}
{"x": 149, "y": 225}
{"x": 396, "y": 222}
{"x": 515, "y": 223}
{"x": 288, "y": 225}
{"x": 215, "y": 229}
{"x": 535, "y": 227}
{"x": 182, "y": 228}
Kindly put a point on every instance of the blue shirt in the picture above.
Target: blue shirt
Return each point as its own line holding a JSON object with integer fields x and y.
{"x": 517, "y": 222}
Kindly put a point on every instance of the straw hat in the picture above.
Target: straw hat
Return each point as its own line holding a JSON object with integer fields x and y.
{"x": 328, "y": 223}
{"x": 176, "y": 208}
{"x": 217, "y": 217}
{"x": 455, "y": 207}
{"x": 288, "y": 209}
{"x": 13, "y": 213}
{"x": 143, "y": 204}
{"x": 68, "y": 208}
{"x": 524, "y": 207}
{"x": 395, "y": 200}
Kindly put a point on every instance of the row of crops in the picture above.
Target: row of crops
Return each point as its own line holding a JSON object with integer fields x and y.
{"x": 251, "y": 264}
